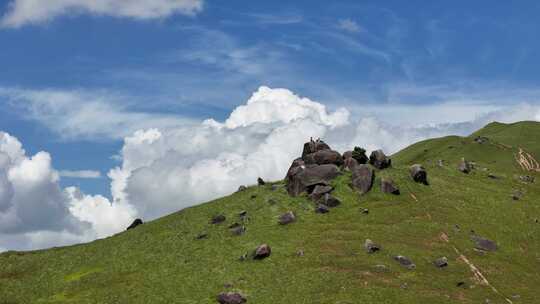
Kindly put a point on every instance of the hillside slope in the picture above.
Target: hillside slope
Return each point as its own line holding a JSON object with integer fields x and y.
{"x": 164, "y": 261}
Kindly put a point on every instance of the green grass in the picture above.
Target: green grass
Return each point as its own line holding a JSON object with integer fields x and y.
{"x": 162, "y": 262}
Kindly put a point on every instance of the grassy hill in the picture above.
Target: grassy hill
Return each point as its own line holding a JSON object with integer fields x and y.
{"x": 164, "y": 262}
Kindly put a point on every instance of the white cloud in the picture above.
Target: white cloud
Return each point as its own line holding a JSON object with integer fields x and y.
{"x": 83, "y": 115}
{"x": 35, "y": 212}
{"x": 80, "y": 174}
{"x": 22, "y": 12}
{"x": 168, "y": 169}
{"x": 349, "y": 25}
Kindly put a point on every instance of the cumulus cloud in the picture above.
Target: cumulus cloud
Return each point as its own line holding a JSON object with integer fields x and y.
{"x": 35, "y": 212}
{"x": 80, "y": 174}
{"x": 22, "y": 12}
{"x": 169, "y": 169}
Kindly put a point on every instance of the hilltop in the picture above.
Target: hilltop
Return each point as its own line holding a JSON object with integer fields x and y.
{"x": 320, "y": 257}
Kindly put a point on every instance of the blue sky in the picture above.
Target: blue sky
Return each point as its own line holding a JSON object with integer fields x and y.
{"x": 76, "y": 79}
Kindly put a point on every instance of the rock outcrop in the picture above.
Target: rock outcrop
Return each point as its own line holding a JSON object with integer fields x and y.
{"x": 379, "y": 160}
{"x": 388, "y": 186}
{"x": 135, "y": 223}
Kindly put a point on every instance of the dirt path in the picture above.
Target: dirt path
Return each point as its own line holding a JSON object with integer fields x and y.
{"x": 527, "y": 162}
{"x": 478, "y": 275}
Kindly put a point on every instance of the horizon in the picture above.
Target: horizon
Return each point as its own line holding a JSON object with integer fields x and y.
{"x": 119, "y": 111}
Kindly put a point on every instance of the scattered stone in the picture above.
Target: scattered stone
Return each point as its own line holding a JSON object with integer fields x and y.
{"x": 484, "y": 244}
{"x": 231, "y": 298}
{"x": 379, "y": 160}
{"x": 239, "y": 230}
{"x": 287, "y": 218}
{"x": 319, "y": 191}
{"x": 517, "y": 195}
{"x": 404, "y": 286}
{"x": 481, "y": 139}
{"x": 324, "y": 157}
{"x": 440, "y": 163}
{"x": 201, "y": 236}
{"x": 526, "y": 178}
{"x": 220, "y": 218}
{"x": 371, "y": 247}
{"x": 260, "y": 182}
{"x": 381, "y": 268}
{"x": 405, "y": 262}
{"x": 464, "y": 166}
{"x": 359, "y": 154}
{"x": 135, "y": 223}
{"x": 441, "y": 262}
{"x": 457, "y": 228}
{"x": 263, "y": 251}
{"x": 362, "y": 178}
{"x": 329, "y": 201}
{"x": 388, "y": 186}
{"x": 242, "y": 213}
{"x": 234, "y": 225}
{"x": 242, "y": 188}
{"x": 364, "y": 210}
{"x": 300, "y": 253}
{"x": 461, "y": 284}
{"x": 492, "y": 176}
{"x": 322, "y": 209}
{"x": 418, "y": 174}
{"x": 243, "y": 257}
{"x": 303, "y": 178}
{"x": 516, "y": 296}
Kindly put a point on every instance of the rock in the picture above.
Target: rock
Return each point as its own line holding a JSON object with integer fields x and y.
{"x": 388, "y": 186}
{"x": 359, "y": 154}
{"x": 135, "y": 223}
{"x": 201, "y": 236}
{"x": 405, "y": 262}
{"x": 260, "y": 182}
{"x": 362, "y": 178}
{"x": 242, "y": 188}
{"x": 243, "y": 257}
{"x": 300, "y": 253}
{"x": 242, "y": 213}
{"x": 231, "y": 298}
{"x": 349, "y": 164}
{"x": 492, "y": 176}
{"x": 220, "y": 218}
{"x": 364, "y": 210}
{"x": 324, "y": 157}
{"x": 319, "y": 191}
{"x": 464, "y": 166}
{"x": 287, "y": 218}
{"x": 307, "y": 177}
{"x": 517, "y": 195}
{"x": 314, "y": 146}
{"x": 484, "y": 244}
{"x": 371, "y": 247}
{"x": 234, "y": 225}
{"x": 440, "y": 163}
{"x": 322, "y": 209}
{"x": 347, "y": 154}
{"x": 381, "y": 268}
{"x": 526, "y": 178}
{"x": 418, "y": 174}
{"x": 379, "y": 160}
{"x": 329, "y": 201}
{"x": 461, "y": 284}
{"x": 441, "y": 262}
{"x": 262, "y": 252}
{"x": 239, "y": 230}
{"x": 481, "y": 139}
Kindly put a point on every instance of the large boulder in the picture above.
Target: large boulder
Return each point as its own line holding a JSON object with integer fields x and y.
{"x": 388, "y": 186}
{"x": 231, "y": 298}
{"x": 319, "y": 191}
{"x": 362, "y": 178}
{"x": 349, "y": 163}
{"x": 418, "y": 174}
{"x": 305, "y": 178}
{"x": 324, "y": 157}
{"x": 313, "y": 146}
{"x": 379, "y": 160}
{"x": 347, "y": 154}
